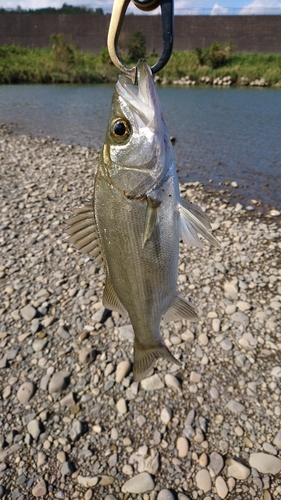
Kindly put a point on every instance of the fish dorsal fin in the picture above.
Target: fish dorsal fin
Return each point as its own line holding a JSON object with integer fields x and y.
{"x": 111, "y": 300}
{"x": 82, "y": 231}
{"x": 193, "y": 221}
{"x": 150, "y": 218}
{"x": 180, "y": 308}
{"x": 145, "y": 357}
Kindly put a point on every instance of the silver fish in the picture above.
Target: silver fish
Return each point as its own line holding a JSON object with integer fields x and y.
{"x": 136, "y": 219}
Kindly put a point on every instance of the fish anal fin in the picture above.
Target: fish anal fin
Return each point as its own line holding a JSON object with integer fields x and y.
{"x": 111, "y": 300}
{"x": 180, "y": 308}
{"x": 145, "y": 357}
{"x": 150, "y": 218}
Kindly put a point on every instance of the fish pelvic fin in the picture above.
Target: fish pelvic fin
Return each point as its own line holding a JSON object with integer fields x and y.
{"x": 180, "y": 308}
{"x": 82, "y": 231}
{"x": 193, "y": 221}
{"x": 145, "y": 357}
{"x": 111, "y": 300}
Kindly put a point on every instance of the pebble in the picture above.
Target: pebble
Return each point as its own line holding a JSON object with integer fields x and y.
{"x": 40, "y": 489}
{"x": 87, "y": 481}
{"x": 166, "y": 415}
{"x": 28, "y": 312}
{"x": 216, "y": 325}
{"x": 152, "y": 383}
{"x": 235, "y": 406}
{"x": 66, "y": 468}
{"x": 221, "y": 487}
{"x": 76, "y": 430}
{"x": 277, "y": 440}
{"x": 25, "y": 392}
{"x": 59, "y": 381}
{"x": 165, "y": 495}
{"x": 267, "y": 464}
{"x": 39, "y": 344}
{"x": 139, "y": 484}
{"x": 33, "y": 428}
{"x": 41, "y": 459}
{"x": 68, "y": 400}
{"x": 237, "y": 469}
{"x": 121, "y": 406}
{"x": 87, "y": 355}
{"x": 172, "y": 382}
{"x": 203, "y": 480}
{"x": 122, "y": 370}
{"x": 182, "y": 446}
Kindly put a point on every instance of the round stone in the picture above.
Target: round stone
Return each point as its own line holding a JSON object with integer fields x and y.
{"x": 203, "y": 480}
{"x": 182, "y": 447}
{"x": 139, "y": 484}
{"x": 264, "y": 463}
{"x": 122, "y": 370}
{"x": 25, "y": 392}
{"x": 172, "y": 382}
{"x": 33, "y": 428}
{"x": 165, "y": 495}
{"x": 40, "y": 489}
{"x": 121, "y": 406}
{"x": 166, "y": 415}
{"x": 221, "y": 487}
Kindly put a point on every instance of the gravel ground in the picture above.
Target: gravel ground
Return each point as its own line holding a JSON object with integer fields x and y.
{"x": 73, "y": 424}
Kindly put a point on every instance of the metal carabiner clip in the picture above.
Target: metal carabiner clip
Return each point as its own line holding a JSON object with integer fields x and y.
{"x": 117, "y": 17}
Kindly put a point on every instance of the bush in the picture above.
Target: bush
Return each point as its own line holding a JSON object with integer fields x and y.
{"x": 136, "y": 46}
{"x": 64, "y": 50}
{"x": 216, "y": 56}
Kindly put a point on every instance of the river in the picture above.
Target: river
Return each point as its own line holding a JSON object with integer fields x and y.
{"x": 222, "y": 134}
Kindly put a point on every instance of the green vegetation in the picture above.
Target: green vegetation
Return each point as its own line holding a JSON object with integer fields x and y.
{"x": 63, "y": 62}
{"x": 65, "y": 9}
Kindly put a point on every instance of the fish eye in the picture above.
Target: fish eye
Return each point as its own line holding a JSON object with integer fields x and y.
{"x": 120, "y": 130}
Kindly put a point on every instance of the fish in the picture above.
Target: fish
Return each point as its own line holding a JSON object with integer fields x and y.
{"x": 133, "y": 225}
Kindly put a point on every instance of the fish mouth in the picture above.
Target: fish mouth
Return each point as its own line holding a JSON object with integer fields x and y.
{"x": 141, "y": 98}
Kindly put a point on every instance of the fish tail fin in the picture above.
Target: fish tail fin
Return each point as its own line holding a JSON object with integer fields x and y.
{"x": 145, "y": 357}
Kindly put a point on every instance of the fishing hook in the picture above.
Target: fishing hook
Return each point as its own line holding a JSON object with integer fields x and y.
{"x": 117, "y": 17}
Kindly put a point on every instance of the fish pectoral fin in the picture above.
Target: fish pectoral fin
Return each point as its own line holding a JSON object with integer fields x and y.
{"x": 193, "y": 221}
{"x": 145, "y": 357}
{"x": 150, "y": 218}
{"x": 111, "y": 300}
{"x": 180, "y": 308}
{"x": 82, "y": 231}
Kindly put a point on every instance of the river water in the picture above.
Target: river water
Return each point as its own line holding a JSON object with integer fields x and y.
{"x": 222, "y": 134}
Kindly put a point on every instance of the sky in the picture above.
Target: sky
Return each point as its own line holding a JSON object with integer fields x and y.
{"x": 185, "y": 7}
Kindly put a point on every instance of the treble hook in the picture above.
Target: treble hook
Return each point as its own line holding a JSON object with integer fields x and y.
{"x": 117, "y": 17}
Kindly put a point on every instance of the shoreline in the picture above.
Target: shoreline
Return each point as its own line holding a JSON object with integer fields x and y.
{"x": 229, "y": 192}
{"x": 74, "y": 424}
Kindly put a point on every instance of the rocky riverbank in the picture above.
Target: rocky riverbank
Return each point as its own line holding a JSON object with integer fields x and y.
{"x": 224, "y": 81}
{"x": 73, "y": 424}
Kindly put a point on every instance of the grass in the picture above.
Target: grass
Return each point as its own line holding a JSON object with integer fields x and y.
{"x": 63, "y": 62}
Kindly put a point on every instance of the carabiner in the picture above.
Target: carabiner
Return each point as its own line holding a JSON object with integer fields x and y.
{"x": 117, "y": 17}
